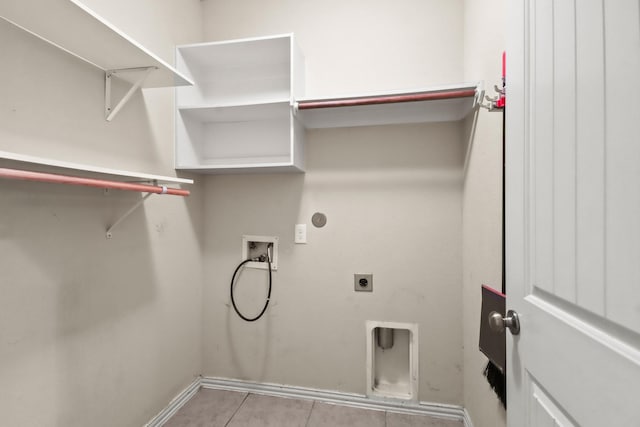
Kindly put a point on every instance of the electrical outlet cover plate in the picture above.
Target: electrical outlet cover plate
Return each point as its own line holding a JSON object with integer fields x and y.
{"x": 300, "y": 234}
{"x": 261, "y": 242}
{"x": 363, "y": 282}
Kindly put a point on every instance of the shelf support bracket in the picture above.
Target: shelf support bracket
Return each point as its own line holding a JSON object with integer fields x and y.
{"x": 111, "y": 111}
{"x": 109, "y": 233}
{"x": 477, "y": 99}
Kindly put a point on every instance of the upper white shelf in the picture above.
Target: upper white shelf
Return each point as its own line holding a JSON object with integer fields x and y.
{"x": 436, "y": 104}
{"x": 76, "y": 29}
{"x": 57, "y": 164}
{"x": 244, "y": 71}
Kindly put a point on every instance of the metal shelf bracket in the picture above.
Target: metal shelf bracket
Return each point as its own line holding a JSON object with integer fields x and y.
{"x": 497, "y": 102}
{"x": 111, "y": 111}
{"x": 109, "y": 233}
{"x": 477, "y": 99}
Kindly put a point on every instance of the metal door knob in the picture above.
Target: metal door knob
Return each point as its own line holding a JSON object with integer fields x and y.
{"x": 498, "y": 323}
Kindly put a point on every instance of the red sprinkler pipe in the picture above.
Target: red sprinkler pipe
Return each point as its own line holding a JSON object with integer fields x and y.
{"x": 386, "y": 99}
{"x": 90, "y": 182}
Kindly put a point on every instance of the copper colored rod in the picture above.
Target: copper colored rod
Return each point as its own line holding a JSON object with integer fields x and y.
{"x": 386, "y": 99}
{"x": 90, "y": 182}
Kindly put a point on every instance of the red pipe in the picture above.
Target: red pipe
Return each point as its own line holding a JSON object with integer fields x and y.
{"x": 501, "y": 102}
{"x": 90, "y": 182}
{"x": 386, "y": 99}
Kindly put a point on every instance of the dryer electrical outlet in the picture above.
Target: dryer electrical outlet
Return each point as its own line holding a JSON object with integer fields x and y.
{"x": 256, "y": 247}
{"x": 363, "y": 282}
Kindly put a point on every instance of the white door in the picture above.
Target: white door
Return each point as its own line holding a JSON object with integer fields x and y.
{"x": 573, "y": 212}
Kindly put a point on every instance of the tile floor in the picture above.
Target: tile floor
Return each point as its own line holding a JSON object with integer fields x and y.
{"x": 213, "y": 408}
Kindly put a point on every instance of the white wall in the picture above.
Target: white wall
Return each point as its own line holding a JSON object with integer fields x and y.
{"x": 93, "y": 331}
{"x": 357, "y": 45}
{"x": 97, "y": 332}
{"x": 484, "y": 43}
{"x": 392, "y": 196}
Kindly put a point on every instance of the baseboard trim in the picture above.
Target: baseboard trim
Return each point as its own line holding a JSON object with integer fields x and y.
{"x": 467, "y": 419}
{"x": 348, "y": 399}
{"x": 451, "y": 412}
{"x": 178, "y": 402}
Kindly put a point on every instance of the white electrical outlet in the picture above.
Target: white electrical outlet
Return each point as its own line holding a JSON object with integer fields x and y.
{"x": 300, "y": 234}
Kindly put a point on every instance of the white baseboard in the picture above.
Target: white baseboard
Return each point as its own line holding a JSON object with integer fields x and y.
{"x": 178, "y": 402}
{"x": 348, "y": 399}
{"x": 451, "y": 412}
{"x": 467, "y": 419}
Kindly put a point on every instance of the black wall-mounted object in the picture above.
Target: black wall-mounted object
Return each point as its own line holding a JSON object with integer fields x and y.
{"x": 493, "y": 344}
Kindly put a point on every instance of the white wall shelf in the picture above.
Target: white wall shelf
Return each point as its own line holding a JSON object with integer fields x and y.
{"x": 54, "y": 171}
{"x": 238, "y": 115}
{"x": 123, "y": 175}
{"x": 436, "y": 104}
{"x": 76, "y": 29}
{"x": 246, "y": 111}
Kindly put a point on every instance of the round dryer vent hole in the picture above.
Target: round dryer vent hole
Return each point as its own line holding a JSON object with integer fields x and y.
{"x": 319, "y": 219}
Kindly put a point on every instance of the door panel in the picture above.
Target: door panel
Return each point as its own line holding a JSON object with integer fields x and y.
{"x": 583, "y": 364}
{"x": 573, "y": 212}
{"x": 544, "y": 411}
{"x": 542, "y": 130}
{"x": 590, "y": 132}
{"x": 622, "y": 154}
{"x": 564, "y": 160}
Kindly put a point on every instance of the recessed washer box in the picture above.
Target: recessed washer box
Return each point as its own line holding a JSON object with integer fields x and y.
{"x": 255, "y": 246}
{"x": 392, "y": 373}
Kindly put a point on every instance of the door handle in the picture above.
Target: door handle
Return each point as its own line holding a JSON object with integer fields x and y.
{"x": 498, "y": 323}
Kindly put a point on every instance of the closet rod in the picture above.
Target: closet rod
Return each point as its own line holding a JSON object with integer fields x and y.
{"x": 386, "y": 99}
{"x": 90, "y": 182}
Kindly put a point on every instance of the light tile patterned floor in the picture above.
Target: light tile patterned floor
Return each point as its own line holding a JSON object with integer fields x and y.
{"x": 218, "y": 408}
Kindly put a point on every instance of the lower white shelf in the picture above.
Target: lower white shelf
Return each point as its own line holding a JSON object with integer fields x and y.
{"x": 40, "y": 169}
{"x": 112, "y": 173}
{"x": 241, "y": 166}
{"x": 237, "y": 138}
